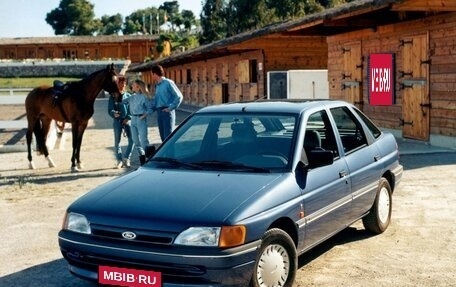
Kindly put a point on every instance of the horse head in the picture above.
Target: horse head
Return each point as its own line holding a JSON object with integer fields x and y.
{"x": 111, "y": 80}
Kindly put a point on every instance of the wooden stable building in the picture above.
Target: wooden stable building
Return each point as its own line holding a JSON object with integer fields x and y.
{"x": 136, "y": 48}
{"x": 208, "y": 76}
{"x": 394, "y": 59}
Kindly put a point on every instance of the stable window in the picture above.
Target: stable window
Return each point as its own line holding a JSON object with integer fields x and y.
{"x": 189, "y": 76}
{"x": 253, "y": 73}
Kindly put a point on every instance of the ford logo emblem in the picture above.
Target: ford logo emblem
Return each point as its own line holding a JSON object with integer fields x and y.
{"x": 129, "y": 235}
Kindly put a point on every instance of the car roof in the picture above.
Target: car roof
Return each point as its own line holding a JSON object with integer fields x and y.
{"x": 272, "y": 106}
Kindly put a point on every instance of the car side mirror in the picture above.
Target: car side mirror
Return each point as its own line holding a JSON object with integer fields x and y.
{"x": 150, "y": 150}
{"x": 318, "y": 158}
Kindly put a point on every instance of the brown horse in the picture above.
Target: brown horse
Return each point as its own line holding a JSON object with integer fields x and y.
{"x": 73, "y": 104}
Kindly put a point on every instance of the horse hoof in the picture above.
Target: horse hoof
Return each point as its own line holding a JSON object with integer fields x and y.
{"x": 31, "y": 165}
{"x": 50, "y": 162}
{"x": 74, "y": 169}
{"x": 80, "y": 165}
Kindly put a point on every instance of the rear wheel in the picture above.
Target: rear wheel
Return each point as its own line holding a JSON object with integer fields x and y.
{"x": 277, "y": 261}
{"x": 379, "y": 217}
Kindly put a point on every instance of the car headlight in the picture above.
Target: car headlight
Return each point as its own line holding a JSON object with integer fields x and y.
{"x": 224, "y": 237}
{"x": 76, "y": 222}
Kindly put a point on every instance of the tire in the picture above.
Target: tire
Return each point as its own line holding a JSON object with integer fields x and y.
{"x": 379, "y": 216}
{"x": 277, "y": 261}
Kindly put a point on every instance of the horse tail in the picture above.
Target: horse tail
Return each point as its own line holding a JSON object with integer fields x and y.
{"x": 39, "y": 136}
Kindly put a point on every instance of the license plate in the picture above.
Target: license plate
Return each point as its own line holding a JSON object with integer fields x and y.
{"x": 128, "y": 277}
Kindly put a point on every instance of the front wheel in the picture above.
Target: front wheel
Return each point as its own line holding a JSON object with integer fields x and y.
{"x": 277, "y": 261}
{"x": 379, "y": 217}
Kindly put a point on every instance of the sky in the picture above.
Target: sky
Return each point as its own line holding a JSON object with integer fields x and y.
{"x": 26, "y": 18}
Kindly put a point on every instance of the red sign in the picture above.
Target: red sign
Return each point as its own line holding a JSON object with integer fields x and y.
{"x": 128, "y": 277}
{"x": 381, "y": 84}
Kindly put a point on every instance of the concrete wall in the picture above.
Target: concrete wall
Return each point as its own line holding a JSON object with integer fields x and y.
{"x": 54, "y": 69}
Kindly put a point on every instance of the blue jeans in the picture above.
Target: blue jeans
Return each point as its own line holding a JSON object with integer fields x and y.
{"x": 117, "y": 126}
{"x": 139, "y": 134}
{"x": 166, "y": 122}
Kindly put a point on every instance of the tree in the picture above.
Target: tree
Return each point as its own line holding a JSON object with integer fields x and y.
{"x": 171, "y": 13}
{"x": 73, "y": 17}
{"x": 171, "y": 8}
{"x": 131, "y": 25}
{"x": 143, "y": 21}
{"x": 314, "y": 6}
{"x": 188, "y": 19}
{"x": 247, "y": 15}
{"x": 214, "y": 21}
{"x": 287, "y": 9}
{"x": 111, "y": 25}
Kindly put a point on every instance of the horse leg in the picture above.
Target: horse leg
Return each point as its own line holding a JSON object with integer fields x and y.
{"x": 74, "y": 133}
{"x": 77, "y": 130}
{"x": 46, "y": 124}
{"x": 81, "y": 131}
{"x": 37, "y": 131}
{"x": 29, "y": 136}
{"x": 60, "y": 127}
{"x": 34, "y": 127}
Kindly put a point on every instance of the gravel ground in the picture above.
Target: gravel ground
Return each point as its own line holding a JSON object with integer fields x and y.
{"x": 418, "y": 249}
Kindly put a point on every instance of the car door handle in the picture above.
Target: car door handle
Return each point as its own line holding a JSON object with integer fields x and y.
{"x": 377, "y": 157}
{"x": 342, "y": 173}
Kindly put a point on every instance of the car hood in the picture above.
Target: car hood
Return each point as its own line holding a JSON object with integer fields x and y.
{"x": 152, "y": 198}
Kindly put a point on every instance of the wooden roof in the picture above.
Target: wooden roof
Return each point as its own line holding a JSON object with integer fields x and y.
{"x": 75, "y": 39}
{"x": 345, "y": 18}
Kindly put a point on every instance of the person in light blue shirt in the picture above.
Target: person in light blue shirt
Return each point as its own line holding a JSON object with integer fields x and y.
{"x": 139, "y": 104}
{"x": 167, "y": 99}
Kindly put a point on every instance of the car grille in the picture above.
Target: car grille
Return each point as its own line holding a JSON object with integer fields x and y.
{"x": 91, "y": 262}
{"x": 142, "y": 236}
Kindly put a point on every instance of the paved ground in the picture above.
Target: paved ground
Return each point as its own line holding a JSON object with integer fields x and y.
{"x": 417, "y": 249}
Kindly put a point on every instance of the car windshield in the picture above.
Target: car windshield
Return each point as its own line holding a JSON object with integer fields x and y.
{"x": 233, "y": 142}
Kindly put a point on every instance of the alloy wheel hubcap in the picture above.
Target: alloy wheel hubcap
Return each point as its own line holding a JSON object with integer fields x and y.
{"x": 273, "y": 266}
{"x": 383, "y": 205}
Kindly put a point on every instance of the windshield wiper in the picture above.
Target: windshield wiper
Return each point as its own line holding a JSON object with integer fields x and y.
{"x": 175, "y": 162}
{"x": 217, "y": 164}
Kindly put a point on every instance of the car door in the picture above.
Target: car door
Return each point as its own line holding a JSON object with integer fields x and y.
{"x": 361, "y": 158}
{"x": 326, "y": 196}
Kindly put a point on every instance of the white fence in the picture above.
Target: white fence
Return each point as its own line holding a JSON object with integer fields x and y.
{"x": 15, "y": 91}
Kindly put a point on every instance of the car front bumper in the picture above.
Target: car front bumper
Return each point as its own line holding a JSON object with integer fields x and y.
{"x": 181, "y": 267}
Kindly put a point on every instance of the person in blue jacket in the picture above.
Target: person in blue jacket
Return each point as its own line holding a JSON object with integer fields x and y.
{"x": 119, "y": 112}
{"x": 166, "y": 100}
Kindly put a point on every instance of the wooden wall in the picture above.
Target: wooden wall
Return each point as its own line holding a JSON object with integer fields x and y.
{"x": 241, "y": 76}
{"x": 136, "y": 50}
{"x": 440, "y": 52}
{"x": 202, "y": 82}
{"x": 284, "y": 53}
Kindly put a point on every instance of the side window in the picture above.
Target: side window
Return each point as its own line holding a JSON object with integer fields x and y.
{"x": 370, "y": 125}
{"x": 350, "y": 129}
{"x": 319, "y": 134}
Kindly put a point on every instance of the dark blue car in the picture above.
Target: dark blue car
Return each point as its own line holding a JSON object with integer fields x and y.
{"x": 234, "y": 196}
